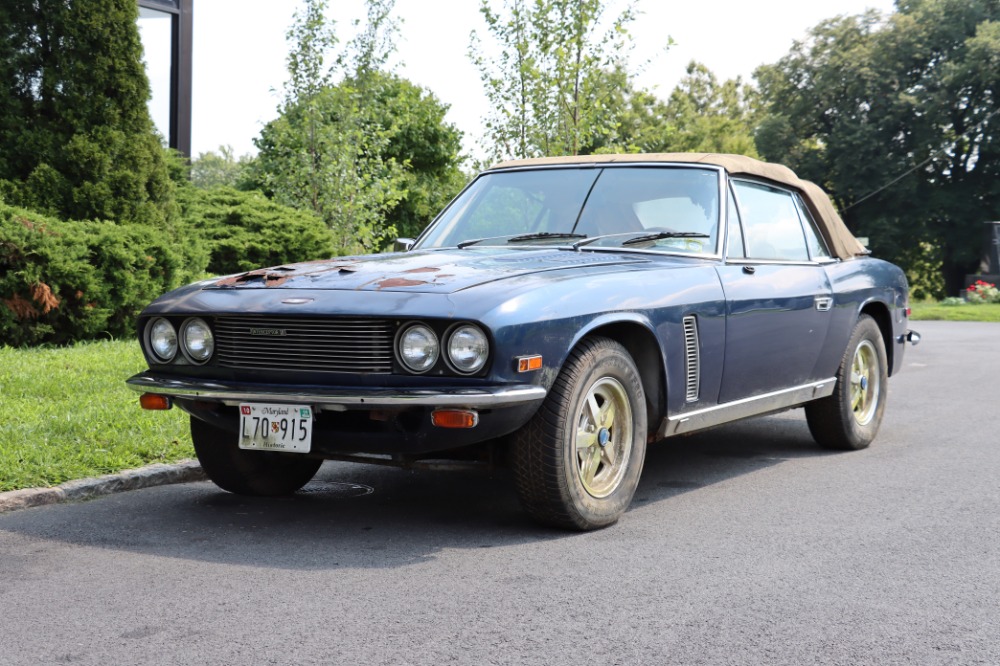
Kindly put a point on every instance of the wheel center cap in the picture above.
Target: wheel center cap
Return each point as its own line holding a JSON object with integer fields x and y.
{"x": 603, "y": 437}
{"x": 864, "y": 383}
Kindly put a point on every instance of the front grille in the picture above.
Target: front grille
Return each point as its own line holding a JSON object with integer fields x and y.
{"x": 316, "y": 344}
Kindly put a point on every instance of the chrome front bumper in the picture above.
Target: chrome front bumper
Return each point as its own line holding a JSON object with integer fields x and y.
{"x": 334, "y": 399}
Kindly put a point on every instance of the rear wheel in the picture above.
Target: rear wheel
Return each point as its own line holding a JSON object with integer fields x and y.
{"x": 577, "y": 462}
{"x": 260, "y": 473}
{"x": 850, "y": 418}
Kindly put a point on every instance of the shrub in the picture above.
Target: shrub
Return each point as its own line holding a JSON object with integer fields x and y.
{"x": 982, "y": 292}
{"x": 245, "y": 230}
{"x": 67, "y": 281}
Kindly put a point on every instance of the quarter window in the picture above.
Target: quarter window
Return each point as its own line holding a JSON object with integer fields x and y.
{"x": 736, "y": 250}
{"x": 771, "y": 223}
{"x": 817, "y": 248}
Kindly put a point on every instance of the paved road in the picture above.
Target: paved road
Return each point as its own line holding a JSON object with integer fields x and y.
{"x": 746, "y": 545}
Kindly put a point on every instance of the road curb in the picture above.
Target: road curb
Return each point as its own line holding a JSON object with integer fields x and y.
{"x": 157, "y": 474}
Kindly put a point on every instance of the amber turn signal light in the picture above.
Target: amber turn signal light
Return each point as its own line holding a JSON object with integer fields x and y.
{"x": 529, "y": 363}
{"x": 454, "y": 418}
{"x": 154, "y": 401}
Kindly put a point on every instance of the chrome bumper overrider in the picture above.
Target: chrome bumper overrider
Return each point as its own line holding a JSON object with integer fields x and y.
{"x": 910, "y": 336}
{"x": 233, "y": 394}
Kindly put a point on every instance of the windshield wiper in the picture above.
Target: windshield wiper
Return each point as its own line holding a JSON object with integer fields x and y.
{"x": 646, "y": 238}
{"x": 523, "y": 237}
{"x": 544, "y": 234}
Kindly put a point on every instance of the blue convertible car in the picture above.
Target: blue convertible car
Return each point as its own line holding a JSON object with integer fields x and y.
{"x": 558, "y": 315}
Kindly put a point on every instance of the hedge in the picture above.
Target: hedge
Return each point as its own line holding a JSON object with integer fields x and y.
{"x": 67, "y": 281}
{"x": 62, "y": 281}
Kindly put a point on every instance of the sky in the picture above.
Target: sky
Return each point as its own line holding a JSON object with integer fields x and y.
{"x": 239, "y": 52}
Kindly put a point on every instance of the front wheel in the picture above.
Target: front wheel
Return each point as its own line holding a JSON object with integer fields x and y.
{"x": 577, "y": 462}
{"x": 257, "y": 473}
{"x": 849, "y": 419}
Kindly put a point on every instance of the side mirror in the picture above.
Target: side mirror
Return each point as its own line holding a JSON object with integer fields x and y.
{"x": 403, "y": 244}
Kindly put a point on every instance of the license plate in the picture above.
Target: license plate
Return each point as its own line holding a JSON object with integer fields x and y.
{"x": 273, "y": 427}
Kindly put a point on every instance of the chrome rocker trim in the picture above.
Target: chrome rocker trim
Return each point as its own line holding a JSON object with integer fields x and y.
{"x": 740, "y": 409}
{"x": 336, "y": 399}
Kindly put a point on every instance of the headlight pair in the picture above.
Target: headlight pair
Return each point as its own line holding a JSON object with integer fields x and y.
{"x": 467, "y": 348}
{"x": 195, "y": 341}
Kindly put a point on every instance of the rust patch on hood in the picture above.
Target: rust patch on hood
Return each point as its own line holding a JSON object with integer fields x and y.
{"x": 270, "y": 278}
{"x": 425, "y": 269}
{"x": 399, "y": 282}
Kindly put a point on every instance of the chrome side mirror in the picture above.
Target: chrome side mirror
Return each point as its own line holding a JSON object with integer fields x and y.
{"x": 403, "y": 244}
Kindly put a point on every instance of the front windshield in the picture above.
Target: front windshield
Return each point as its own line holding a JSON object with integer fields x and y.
{"x": 670, "y": 209}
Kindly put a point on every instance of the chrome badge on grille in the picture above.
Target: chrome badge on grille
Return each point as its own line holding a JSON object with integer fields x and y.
{"x": 269, "y": 332}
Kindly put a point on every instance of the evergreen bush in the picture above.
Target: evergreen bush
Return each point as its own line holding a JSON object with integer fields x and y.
{"x": 66, "y": 281}
{"x": 242, "y": 231}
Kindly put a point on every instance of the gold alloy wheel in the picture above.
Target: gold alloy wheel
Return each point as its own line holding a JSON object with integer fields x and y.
{"x": 603, "y": 437}
{"x": 865, "y": 386}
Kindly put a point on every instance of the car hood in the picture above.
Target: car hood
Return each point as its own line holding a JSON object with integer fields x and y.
{"x": 440, "y": 271}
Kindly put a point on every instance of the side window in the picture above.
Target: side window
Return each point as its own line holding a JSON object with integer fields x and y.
{"x": 771, "y": 223}
{"x": 736, "y": 250}
{"x": 817, "y": 248}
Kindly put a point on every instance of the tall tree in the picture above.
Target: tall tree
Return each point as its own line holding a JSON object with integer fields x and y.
{"x": 551, "y": 88}
{"x": 76, "y": 139}
{"x": 898, "y": 117}
{"x": 324, "y": 152}
{"x": 701, "y": 115}
{"x": 367, "y": 151}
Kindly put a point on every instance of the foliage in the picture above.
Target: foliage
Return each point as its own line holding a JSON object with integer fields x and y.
{"x": 553, "y": 86}
{"x": 68, "y": 415}
{"x": 982, "y": 292}
{"x": 897, "y": 118}
{"x": 702, "y": 115}
{"x": 923, "y": 270}
{"x": 242, "y": 231}
{"x": 365, "y": 154}
{"x": 222, "y": 169}
{"x": 76, "y": 139}
{"x": 65, "y": 281}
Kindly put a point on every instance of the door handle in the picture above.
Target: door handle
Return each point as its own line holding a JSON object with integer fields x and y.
{"x": 824, "y": 303}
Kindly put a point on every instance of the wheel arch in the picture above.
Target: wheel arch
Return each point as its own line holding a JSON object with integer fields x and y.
{"x": 641, "y": 344}
{"x": 879, "y": 311}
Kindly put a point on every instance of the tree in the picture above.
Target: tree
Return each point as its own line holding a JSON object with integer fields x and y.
{"x": 369, "y": 154}
{"x": 76, "y": 139}
{"x": 897, "y": 117}
{"x": 701, "y": 115}
{"x": 553, "y": 85}
{"x": 222, "y": 169}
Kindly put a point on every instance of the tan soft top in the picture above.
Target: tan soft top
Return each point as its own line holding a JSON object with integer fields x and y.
{"x": 838, "y": 237}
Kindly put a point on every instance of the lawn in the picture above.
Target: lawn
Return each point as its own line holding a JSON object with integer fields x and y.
{"x": 972, "y": 312}
{"x": 66, "y": 414}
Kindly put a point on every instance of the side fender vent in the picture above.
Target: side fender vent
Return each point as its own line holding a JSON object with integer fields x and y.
{"x": 692, "y": 359}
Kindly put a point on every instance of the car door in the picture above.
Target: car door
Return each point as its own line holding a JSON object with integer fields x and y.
{"x": 778, "y": 296}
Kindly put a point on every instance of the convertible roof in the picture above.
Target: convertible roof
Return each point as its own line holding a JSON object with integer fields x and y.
{"x": 838, "y": 237}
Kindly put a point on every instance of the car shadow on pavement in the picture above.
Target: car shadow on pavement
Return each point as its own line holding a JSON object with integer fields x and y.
{"x": 374, "y": 517}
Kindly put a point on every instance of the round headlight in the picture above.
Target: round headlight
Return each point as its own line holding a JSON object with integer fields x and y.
{"x": 198, "y": 341}
{"x": 468, "y": 349}
{"x": 418, "y": 348}
{"x": 162, "y": 339}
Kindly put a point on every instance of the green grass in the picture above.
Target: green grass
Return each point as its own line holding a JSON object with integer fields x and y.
{"x": 66, "y": 414}
{"x": 973, "y": 312}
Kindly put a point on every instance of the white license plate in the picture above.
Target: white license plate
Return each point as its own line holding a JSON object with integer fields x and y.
{"x": 273, "y": 427}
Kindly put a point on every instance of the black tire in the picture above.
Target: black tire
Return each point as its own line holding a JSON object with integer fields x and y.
{"x": 256, "y": 473}
{"x": 849, "y": 419}
{"x": 560, "y": 480}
